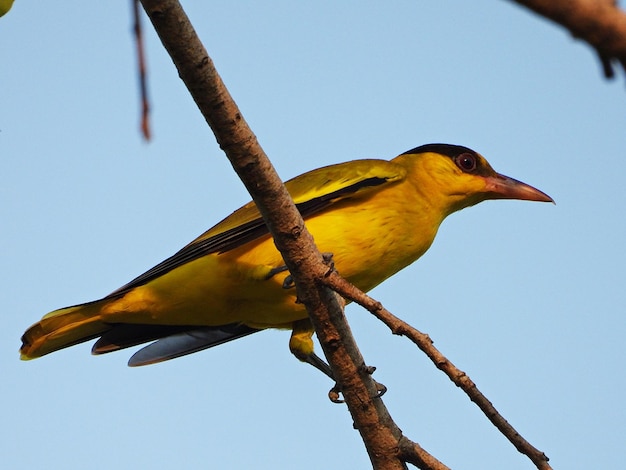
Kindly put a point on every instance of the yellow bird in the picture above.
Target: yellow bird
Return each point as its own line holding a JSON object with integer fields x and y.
{"x": 375, "y": 216}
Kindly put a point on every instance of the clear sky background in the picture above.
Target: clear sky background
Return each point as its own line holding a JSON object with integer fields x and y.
{"x": 529, "y": 299}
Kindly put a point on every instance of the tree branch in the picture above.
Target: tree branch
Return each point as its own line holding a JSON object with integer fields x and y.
{"x": 460, "y": 378}
{"x": 601, "y": 23}
{"x": 380, "y": 434}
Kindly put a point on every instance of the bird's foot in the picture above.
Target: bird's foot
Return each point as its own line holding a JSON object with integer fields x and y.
{"x": 335, "y": 392}
{"x": 288, "y": 282}
{"x": 328, "y": 261}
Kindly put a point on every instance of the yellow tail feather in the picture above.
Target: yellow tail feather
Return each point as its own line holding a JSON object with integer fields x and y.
{"x": 63, "y": 328}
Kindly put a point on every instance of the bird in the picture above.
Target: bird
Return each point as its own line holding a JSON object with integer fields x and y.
{"x": 374, "y": 216}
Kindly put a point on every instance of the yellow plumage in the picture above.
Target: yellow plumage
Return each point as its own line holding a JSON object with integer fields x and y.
{"x": 375, "y": 217}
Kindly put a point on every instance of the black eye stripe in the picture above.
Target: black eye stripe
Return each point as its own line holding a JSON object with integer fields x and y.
{"x": 466, "y": 162}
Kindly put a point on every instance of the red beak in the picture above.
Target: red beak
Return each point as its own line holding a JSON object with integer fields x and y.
{"x": 503, "y": 187}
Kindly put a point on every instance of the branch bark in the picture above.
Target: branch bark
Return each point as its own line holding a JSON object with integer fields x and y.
{"x": 380, "y": 434}
{"x": 601, "y": 23}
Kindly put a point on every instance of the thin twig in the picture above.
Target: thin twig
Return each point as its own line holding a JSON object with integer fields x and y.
{"x": 141, "y": 64}
{"x": 460, "y": 378}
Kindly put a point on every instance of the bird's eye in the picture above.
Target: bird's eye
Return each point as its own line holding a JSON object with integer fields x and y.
{"x": 466, "y": 162}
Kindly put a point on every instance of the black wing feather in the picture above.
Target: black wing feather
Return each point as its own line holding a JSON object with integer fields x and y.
{"x": 188, "y": 342}
{"x": 238, "y": 236}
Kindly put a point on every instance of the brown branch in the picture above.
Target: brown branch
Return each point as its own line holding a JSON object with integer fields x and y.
{"x": 141, "y": 64}
{"x": 601, "y": 23}
{"x": 380, "y": 434}
{"x": 460, "y": 378}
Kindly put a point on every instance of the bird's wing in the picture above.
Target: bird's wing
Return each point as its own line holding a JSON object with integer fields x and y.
{"x": 188, "y": 342}
{"x": 313, "y": 192}
{"x": 173, "y": 341}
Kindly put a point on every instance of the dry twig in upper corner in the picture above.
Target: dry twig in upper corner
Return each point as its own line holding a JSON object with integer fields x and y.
{"x": 600, "y": 23}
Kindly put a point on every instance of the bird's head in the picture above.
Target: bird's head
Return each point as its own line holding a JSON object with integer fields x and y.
{"x": 454, "y": 177}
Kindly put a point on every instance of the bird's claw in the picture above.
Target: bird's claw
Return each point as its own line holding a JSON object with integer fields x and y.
{"x": 335, "y": 392}
{"x": 274, "y": 271}
{"x": 380, "y": 388}
{"x": 328, "y": 261}
{"x": 288, "y": 282}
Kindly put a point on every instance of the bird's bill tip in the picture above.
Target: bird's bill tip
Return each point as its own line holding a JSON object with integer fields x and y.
{"x": 504, "y": 187}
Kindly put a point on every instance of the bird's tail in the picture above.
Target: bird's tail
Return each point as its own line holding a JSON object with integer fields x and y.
{"x": 63, "y": 328}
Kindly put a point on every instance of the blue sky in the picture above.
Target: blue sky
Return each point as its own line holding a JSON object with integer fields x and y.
{"x": 527, "y": 298}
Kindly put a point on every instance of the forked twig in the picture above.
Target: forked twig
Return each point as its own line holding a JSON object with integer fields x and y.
{"x": 457, "y": 376}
